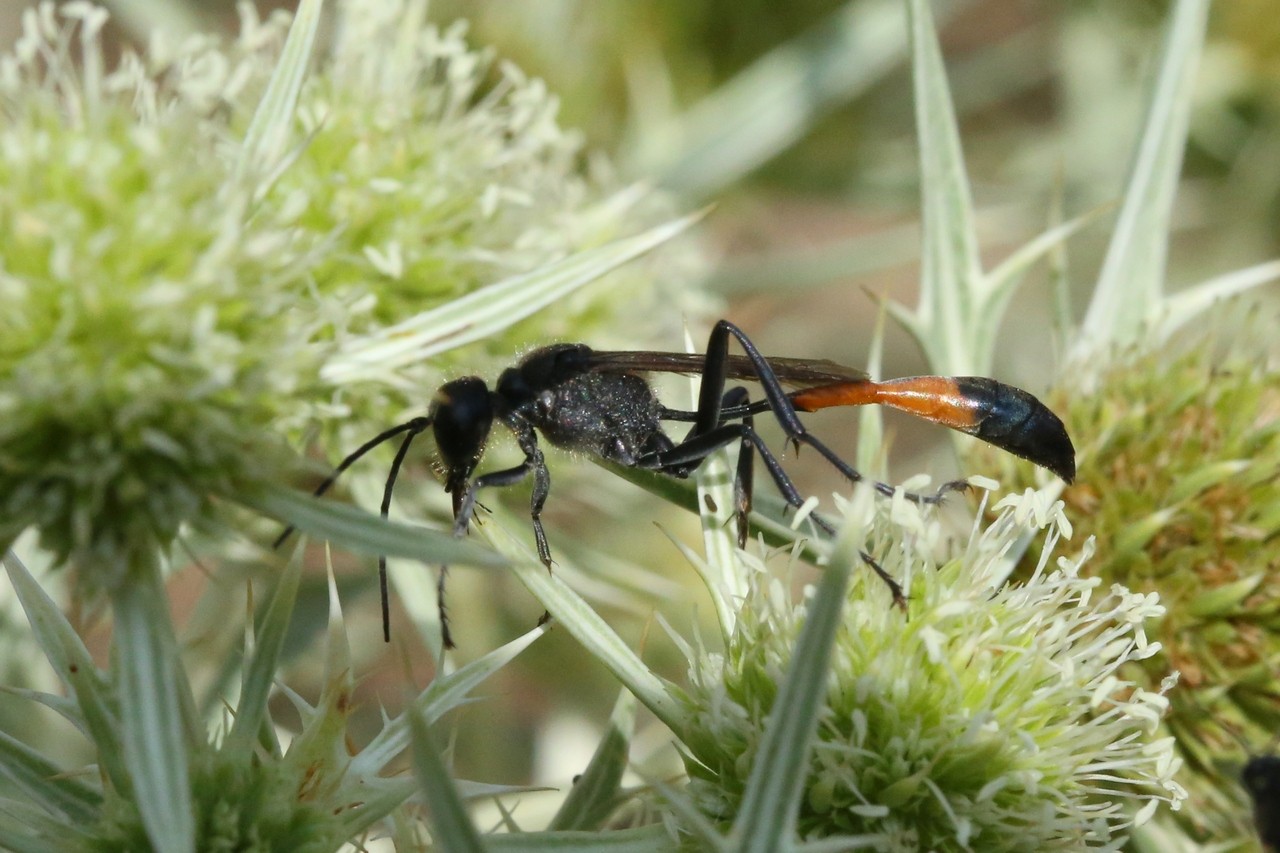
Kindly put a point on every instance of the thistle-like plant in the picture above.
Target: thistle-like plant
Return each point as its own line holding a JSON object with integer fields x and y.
{"x": 991, "y": 715}
{"x": 203, "y": 245}
{"x": 248, "y": 789}
{"x": 1178, "y": 487}
{"x": 1136, "y": 401}
{"x": 235, "y": 244}
{"x": 1175, "y": 426}
{"x": 994, "y": 716}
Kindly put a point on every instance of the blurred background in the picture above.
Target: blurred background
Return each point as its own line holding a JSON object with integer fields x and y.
{"x": 796, "y": 121}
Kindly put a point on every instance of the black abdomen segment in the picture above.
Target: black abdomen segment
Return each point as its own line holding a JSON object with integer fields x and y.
{"x": 1014, "y": 420}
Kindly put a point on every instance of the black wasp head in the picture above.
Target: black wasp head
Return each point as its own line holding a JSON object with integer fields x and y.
{"x": 461, "y": 415}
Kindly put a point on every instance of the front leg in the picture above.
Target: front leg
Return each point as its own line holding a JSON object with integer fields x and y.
{"x": 534, "y": 463}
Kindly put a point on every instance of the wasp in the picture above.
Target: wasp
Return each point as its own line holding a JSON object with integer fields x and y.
{"x": 598, "y": 402}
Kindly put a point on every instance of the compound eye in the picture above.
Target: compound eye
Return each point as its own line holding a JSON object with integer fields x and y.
{"x": 546, "y": 402}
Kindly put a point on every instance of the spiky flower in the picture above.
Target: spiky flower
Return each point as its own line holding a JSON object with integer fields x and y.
{"x": 139, "y": 374}
{"x": 294, "y": 800}
{"x": 250, "y": 790}
{"x": 1179, "y": 453}
{"x": 192, "y": 239}
{"x": 991, "y": 716}
{"x": 173, "y": 284}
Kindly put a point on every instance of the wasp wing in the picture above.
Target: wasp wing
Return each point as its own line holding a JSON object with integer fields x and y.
{"x": 798, "y": 372}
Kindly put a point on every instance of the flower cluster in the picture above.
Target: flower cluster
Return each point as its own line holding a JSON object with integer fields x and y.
{"x": 1178, "y": 487}
{"x": 990, "y": 716}
{"x": 150, "y": 332}
{"x": 168, "y": 312}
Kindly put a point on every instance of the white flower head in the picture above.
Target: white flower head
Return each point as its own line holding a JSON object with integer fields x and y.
{"x": 990, "y": 716}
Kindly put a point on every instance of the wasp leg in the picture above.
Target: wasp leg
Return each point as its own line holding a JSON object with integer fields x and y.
{"x": 744, "y": 477}
{"x": 688, "y": 454}
{"x": 712, "y": 411}
{"x": 534, "y": 463}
